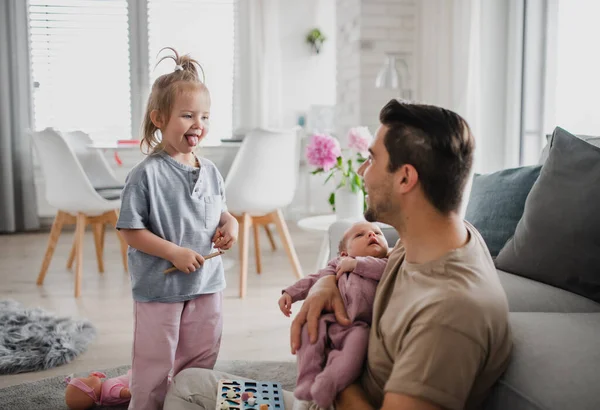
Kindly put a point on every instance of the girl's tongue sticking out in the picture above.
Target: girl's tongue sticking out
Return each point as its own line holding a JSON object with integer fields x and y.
{"x": 192, "y": 139}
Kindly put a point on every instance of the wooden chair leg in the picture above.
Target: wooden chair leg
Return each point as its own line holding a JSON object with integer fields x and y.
{"x": 98, "y": 233}
{"x": 270, "y": 236}
{"x": 79, "y": 231}
{"x": 287, "y": 241}
{"x": 244, "y": 238}
{"x": 113, "y": 218}
{"x": 257, "y": 247}
{"x": 102, "y": 233}
{"x": 72, "y": 254}
{"x": 57, "y": 226}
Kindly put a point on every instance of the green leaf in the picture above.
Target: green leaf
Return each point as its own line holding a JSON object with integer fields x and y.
{"x": 339, "y": 161}
{"x": 317, "y": 171}
{"x": 332, "y": 200}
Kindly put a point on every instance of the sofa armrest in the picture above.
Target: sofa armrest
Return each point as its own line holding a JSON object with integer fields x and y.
{"x": 337, "y": 229}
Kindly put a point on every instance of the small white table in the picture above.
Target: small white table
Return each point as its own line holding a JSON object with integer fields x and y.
{"x": 319, "y": 223}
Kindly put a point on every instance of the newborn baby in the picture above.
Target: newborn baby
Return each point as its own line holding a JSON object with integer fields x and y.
{"x": 332, "y": 363}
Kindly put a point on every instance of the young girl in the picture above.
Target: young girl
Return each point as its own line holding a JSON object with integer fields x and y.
{"x": 173, "y": 213}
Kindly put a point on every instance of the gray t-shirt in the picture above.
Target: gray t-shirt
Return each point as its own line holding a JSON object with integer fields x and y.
{"x": 183, "y": 205}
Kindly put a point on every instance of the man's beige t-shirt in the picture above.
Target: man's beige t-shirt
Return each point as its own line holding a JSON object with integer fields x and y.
{"x": 440, "y": 329}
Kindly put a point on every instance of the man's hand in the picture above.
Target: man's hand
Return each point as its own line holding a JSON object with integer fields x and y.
{"x": 323, "y": 296}
{"x": 354, "y": 397}
{"x": 186, "y": 260}
{"x": 227, "y": 233}
{"x": 285, "y": 304}
{"x": 347, "y": 264}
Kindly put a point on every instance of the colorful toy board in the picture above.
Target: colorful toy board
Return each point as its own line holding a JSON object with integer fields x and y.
{"x": 249, "y": 395}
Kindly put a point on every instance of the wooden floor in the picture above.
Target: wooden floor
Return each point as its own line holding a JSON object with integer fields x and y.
{"x": 254, "y": 328}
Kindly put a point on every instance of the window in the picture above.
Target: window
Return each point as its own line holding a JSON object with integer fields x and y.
{"x": 89, "y": 60}
{"x": 577, "y": 66}
{"x": 205, "y": 30}
{"x": 80, "y": 66}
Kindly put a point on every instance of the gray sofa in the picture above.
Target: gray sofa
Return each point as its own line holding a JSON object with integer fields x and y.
{"x": 556, "y": 355}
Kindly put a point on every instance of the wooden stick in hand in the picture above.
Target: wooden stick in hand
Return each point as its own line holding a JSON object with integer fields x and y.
{"x": 212, "y": 255}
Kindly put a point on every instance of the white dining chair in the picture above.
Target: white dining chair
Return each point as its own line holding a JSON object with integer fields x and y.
{"x": 261, "y": 182}
{"x": 95, "y": 165}
{"x": 100, "y": 175}
{"x": 69, "y": 191}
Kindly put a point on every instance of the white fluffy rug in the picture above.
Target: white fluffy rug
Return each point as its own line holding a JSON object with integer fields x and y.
{"x": 33, "y": 339}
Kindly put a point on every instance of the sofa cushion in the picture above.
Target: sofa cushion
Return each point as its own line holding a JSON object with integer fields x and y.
{"x": 592, "y": 139}
{"x": 526, "y": 295}
{"x": 557, "y": 241}
{"x": 554, "y": 365}
{"x": 496, "y": 203}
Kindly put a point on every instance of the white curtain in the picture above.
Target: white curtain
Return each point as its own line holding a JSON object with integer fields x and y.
{"x": 18, "y": 208}
{"x": 258, "y": 65}
{"x": 450, "y": 56}
{"x": 450, "y": 62}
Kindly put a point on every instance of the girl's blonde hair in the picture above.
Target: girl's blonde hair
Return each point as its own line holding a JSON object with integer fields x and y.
{"x": 164, "y": 91}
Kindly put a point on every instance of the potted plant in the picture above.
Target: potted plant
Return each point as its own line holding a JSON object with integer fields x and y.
{"x": 325, "y": 153}
{"x": 316, "y": 39}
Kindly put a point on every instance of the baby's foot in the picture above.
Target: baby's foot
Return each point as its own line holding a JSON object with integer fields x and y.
{"x": 301, "y": 405}
{"x": 302, "y": 391}
{"x": 323, "y": 392}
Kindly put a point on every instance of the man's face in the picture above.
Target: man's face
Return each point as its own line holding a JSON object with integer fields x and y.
{"x": 378, "y": 180}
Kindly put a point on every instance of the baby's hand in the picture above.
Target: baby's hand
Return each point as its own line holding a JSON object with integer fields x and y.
{"x": 186, "y": 260}
{"x": 347, "y": 264}
{"x": 285, "y": 304}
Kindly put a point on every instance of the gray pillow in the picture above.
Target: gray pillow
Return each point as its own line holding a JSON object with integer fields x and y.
{"x": 496, "y": 203}
{"x": 592, "y": 139}
{"x": 557, "y": 241}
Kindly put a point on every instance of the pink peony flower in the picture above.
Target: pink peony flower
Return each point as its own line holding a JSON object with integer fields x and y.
{"x": 323, "y": 151}
{"x": 359, "y": 139}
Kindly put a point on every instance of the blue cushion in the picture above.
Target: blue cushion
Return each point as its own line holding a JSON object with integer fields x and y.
{"x": 496, "y": 203}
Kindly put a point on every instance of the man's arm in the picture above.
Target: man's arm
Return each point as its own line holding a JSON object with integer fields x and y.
{"x": 323, "y": 296}
{"x": 355, "y": 398}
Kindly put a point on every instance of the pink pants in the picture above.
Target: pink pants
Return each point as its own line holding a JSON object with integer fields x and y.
{"x": 172, "y": 336}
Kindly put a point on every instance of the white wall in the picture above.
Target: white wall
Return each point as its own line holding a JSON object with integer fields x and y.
{"x": 307, "y": 78}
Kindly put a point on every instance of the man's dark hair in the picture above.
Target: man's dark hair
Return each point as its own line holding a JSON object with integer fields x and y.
{"x": 434, "y": 140}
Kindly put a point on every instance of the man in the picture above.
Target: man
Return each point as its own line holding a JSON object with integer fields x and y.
{"x": 440, "y": 336}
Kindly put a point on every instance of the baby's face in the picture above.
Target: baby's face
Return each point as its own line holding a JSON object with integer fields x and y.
{"x": 366, "y": 239}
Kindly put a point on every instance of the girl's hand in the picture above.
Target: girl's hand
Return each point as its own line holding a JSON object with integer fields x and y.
{"x": 347, "y": 264}
{"x": 225, "y": 236}
{"x": 285, "y": 304}
{"x": 186, "y": 260}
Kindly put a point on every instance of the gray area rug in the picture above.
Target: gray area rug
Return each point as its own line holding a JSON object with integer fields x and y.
{"x": 49, "y": 393}
{"x": 33, "y": 339}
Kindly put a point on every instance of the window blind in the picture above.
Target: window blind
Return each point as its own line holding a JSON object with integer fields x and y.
{"x": 80, "y": 66}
